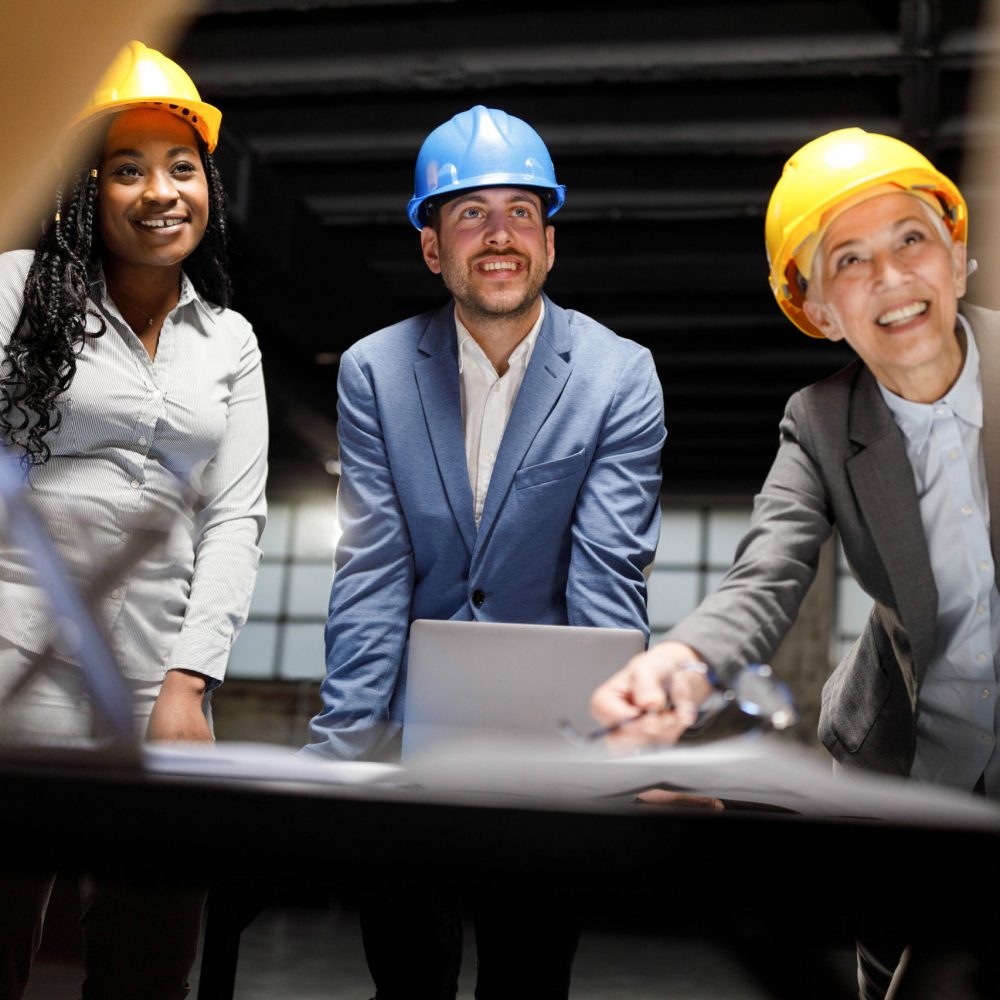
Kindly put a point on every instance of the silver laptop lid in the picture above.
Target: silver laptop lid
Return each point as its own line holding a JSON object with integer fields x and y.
{"x": 482, "y": 678}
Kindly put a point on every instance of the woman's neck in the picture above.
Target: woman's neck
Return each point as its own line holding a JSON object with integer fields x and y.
{"x": 143, "y": 286}
{"x": 144, "y": 297}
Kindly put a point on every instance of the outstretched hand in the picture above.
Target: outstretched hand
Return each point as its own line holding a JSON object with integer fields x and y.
{"x": 658, "y": 690}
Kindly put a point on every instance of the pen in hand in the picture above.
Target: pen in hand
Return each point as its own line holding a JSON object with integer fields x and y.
{"x": 755, "y": 689}
{"x": 569, "y": 730}
{"x": 707, "y": 711}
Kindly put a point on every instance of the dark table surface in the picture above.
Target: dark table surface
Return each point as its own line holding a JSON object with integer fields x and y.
{"x": 616, "y": 859}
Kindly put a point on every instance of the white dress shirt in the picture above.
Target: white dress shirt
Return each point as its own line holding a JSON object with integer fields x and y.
{"x": 131, "y": 425}
{"x": 487, "y": 402}
{"x": 957, "y": 720}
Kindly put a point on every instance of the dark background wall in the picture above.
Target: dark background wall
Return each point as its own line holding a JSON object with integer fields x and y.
{"x": 668, "y": 122}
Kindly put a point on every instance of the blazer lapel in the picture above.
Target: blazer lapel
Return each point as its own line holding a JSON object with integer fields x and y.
{"x": 440, "y": 396}
{"x": 986, "y": 329}
{"x": 547, "y": 372}
{"x": 882, "y": 480}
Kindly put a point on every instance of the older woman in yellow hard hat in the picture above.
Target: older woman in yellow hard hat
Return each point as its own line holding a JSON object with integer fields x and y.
{"x": 127, "y": 388}
{"x": 866, "y": 242}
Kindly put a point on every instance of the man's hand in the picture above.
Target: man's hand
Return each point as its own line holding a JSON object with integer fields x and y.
{"x": 656, "y": 683}
{"x": 178, "y": 714}
{"x": 664, "y": 797}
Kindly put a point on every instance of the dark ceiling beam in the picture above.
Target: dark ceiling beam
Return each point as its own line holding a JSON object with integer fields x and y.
{"x": 920, "y": 32}
{"x": 591, "y": 205}
{"x": 752, "y": 137}
{"x": 246, "y": 74}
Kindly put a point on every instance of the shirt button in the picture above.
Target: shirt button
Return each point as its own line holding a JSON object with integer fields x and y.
{"x": 478, "y": 597}
{"x": 985, "y": 693}
{"x": 988, "y": 740}
{"x": 953, "y": 454}
{"x": 980, "y": 657}
{"x": 984, "y": 566}
{"x": 142, "y": 440}
{"x": 981, "y": 609}
{"x": 967, "y": 510}
{"x": 940, "y": 411}
{"x": 135, "y": 484}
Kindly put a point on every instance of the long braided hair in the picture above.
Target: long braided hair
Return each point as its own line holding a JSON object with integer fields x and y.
{"x": 52, "y": 330}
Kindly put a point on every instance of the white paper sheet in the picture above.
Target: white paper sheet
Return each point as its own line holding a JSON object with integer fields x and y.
{"x": 764, "y": 770}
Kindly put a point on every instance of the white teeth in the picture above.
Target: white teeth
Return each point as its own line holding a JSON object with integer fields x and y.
{"x": 500, "y": 265}
{"x": 903, "y": 313}
{"x": 160, "y": 223}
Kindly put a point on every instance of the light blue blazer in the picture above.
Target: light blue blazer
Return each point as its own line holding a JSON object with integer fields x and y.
{"x": 570, "y": 520}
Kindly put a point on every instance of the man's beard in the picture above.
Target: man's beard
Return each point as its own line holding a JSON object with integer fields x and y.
{"x": 502, "y": 303}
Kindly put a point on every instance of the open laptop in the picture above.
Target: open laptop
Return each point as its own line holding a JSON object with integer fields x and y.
{"x": 483, "y": 678}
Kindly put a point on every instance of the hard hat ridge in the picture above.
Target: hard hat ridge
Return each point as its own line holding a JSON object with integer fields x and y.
{"x": 141, "y": 77}
{"x": 482, "y": 147}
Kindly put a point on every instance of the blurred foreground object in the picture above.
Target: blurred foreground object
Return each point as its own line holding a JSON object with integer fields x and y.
{"x": 76, "y": 630}
{"x": 58, "y": 50}
{"x": 982, "y": 157}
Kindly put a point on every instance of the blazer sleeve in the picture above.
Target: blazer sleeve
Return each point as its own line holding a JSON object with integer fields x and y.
{"x": 747, "y": 617}
{"x": 616, "y": 522}
{"x": 372, "y": 587}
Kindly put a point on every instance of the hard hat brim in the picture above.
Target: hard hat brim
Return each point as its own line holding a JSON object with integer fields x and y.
{"x": 204, "y": 118}
{"x": 554, "y": 195}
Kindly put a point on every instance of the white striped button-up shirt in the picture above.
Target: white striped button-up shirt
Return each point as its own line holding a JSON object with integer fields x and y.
{"x": 131, "y": 425}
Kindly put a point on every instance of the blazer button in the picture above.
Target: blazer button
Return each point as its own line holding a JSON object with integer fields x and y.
{"x": 478, "y": 597}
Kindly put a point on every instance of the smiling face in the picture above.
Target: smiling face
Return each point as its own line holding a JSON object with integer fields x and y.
{"x": 888, "y": 283}
{"x": 152, "y": 191}
{"x": 493, "y": 250}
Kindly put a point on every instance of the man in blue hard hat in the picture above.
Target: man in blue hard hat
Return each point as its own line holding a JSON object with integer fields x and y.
{"x": 500, "y": 462}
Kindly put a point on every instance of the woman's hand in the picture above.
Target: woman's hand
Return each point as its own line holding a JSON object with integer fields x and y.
{"x": 655, "y": 694}
{"x": 178, "y": 714}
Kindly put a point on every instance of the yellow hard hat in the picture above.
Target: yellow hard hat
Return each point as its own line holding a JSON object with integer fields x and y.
{"x": 141, "y": 77}
{"x": 831, "y": 171}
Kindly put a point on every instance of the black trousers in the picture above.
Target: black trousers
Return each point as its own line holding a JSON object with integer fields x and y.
{"x": 895, "y": 963}
{"x": 524, "y": 946}
{"x": 139, "y": 942}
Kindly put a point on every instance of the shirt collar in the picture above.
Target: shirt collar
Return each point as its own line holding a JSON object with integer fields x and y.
{"x": 964, "y": 398}
{"x": 468, "y": 348}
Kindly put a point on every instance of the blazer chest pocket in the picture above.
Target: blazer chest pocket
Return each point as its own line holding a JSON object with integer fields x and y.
{"x": 549, "y": 472}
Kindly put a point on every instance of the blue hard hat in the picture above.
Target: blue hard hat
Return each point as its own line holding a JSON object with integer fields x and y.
{"x": 482, "y": 147}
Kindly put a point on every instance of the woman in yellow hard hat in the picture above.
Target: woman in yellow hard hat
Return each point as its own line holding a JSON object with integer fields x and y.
{"x": 131, "y": 394}
{"x": 866, "y": 243}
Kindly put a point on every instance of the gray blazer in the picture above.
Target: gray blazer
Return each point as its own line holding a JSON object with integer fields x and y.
{"x": 842, "y": 461}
